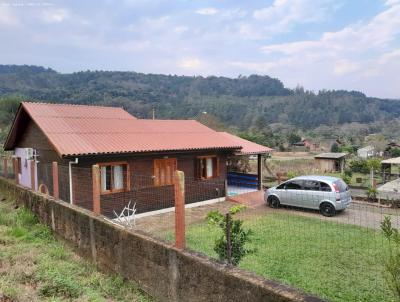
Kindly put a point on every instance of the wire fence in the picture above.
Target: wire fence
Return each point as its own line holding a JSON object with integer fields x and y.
{"x": 308, "y": 234}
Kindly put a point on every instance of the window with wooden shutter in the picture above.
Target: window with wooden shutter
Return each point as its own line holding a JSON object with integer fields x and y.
{"x": 207, "y": 167}
{"x": 164, "y": 170}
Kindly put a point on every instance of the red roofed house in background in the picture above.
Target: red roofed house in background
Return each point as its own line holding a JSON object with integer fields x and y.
{"x": 133, "y": 154}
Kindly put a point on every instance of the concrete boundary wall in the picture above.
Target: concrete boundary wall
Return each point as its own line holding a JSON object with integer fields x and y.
{"x": 166, "y": 273}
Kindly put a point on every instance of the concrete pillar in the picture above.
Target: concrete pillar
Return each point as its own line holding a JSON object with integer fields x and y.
{"x": 179, "y": 188}
{"x": 15, "y": 166}
{"x": 96, "y": 189}
{"x": 259, "y": 171}
{"x": 5, "y": 167}
{"x": 56, "y": 190}
{"x": 33, "y": 174}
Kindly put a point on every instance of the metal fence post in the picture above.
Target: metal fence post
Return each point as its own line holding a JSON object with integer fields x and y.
{"x": 179, "y": 188}
{"x": 228, "y": 238}
{"x": 96, "y": 189}
{"x": 5, "y": 167}
{"x": 56, "y": 191}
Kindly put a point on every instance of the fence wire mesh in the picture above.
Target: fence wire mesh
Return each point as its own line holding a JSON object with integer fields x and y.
{"x": 340, "y": 258}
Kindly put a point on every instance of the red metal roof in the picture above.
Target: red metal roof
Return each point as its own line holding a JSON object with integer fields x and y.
{"x": 82, "y": 130}
{"x": 248, "y": 147}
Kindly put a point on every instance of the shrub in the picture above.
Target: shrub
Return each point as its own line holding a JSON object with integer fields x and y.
{"x": 359, "y": 166}
{"x": 291, "y": 174}
{"x": 392, "y": 263}
{"x": 231, "y": 245}
{"x": 346, "y": 178}
{"x": 372, "y": 194}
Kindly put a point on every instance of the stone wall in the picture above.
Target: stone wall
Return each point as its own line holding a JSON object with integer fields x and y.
{"x": 166, "y": 273}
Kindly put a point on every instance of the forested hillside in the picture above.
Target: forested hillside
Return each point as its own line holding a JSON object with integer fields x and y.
{"x": 245, "y": 104}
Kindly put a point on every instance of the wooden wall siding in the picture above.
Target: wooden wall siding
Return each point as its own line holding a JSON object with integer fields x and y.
{"x": 147, "y": 196}
{"x": 34, "y": 138}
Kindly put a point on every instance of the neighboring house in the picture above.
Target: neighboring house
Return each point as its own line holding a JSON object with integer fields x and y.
{"x": 366, "y": 152}
{"x": 137, "y": 158}
{"x": 308, "y": 145}
{"x": 331, "y": 162}
{"x": 327, "y": 143}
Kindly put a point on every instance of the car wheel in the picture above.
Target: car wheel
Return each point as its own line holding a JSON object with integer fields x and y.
{"x": 273, "y": 202}
{"x": 327, "y": 209}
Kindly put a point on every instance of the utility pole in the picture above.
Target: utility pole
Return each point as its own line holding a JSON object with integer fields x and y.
{"x": 154, "y": 113}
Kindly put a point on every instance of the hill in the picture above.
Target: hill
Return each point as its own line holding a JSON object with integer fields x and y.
{"x": 242, "y": 103}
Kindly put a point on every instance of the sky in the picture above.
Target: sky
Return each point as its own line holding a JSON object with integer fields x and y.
{"x": 317, "y": 44}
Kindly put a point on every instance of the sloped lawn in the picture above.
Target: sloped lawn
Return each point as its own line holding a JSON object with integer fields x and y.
{"x": 36, "y": 267}
{"x": 335, "y": 261}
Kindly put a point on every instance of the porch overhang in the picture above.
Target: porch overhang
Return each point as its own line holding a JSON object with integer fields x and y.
{"x": 248, "y": 147}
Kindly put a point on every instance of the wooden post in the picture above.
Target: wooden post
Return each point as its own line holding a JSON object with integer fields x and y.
{"x": 15, "y": 166}
{"x": 179, "y": 188}
{"x": 96, "y": 189}
{"x": 5, "y": 167}
{"x": 259, "y": 172}
{"x": 33, "y": 168}
{"x": 56, "y": 190}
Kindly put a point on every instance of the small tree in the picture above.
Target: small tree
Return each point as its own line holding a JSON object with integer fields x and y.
{"x": 335, "y": 148}
{"x": 373, "y": 165}
{"x": 392, "y": 263}
{"x": 231, "y": 245}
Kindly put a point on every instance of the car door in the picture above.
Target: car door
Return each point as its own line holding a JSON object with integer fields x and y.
{"x": 312, "y": 194}
{"x": 294, "y": 193}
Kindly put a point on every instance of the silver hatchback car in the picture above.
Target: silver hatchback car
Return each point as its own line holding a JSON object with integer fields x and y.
{"x": 324, "y": 193}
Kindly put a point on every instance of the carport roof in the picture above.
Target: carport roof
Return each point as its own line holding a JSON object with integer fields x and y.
{"x": 331, "y": 155}
{"x": 248, "y": 147}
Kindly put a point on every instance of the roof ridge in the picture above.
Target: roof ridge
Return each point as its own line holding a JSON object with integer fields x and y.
{"x": 72, "y": 105}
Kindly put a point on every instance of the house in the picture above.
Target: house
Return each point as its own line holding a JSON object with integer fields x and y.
{"x": 307, "y": 144}
{"x": 331, "y": 162}
{"x": 137, "y": 158}
{"x": 366, "y": 152}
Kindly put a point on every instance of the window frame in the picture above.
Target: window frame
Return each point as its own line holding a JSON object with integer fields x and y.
{"x": 126, "y": 181}
{"x": 199, "y": 170}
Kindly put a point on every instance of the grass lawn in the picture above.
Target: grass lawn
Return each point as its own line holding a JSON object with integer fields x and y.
{"x": 36, "y": 267}
{"x": 334, "y": 261}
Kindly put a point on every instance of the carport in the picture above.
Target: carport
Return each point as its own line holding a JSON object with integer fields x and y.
{"x": 238, "y": 182}
{"x": 387, "y": 168}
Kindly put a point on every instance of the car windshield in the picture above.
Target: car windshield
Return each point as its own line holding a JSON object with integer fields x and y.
{"x": 341, "y": 185}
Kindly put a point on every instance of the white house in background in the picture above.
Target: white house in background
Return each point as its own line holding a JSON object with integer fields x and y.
{"x": 366, "y": 152}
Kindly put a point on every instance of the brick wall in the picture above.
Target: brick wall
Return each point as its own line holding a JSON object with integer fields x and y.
{"x": 166, "y": 273}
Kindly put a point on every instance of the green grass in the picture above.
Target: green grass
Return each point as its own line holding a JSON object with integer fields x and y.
{"x": 334, "y": 261}
{"x": 36, "y": 267}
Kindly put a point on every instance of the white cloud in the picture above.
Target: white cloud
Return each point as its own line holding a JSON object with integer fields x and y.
{"x": 344, "y": 67}
{"x": 286, "y": 13}
{"x": 7, "y": 17}
{"x": 392, "y": 2}
{"x": 347, "y": 58}
{"x": 191, "y": 63}
{"x": 54, "y": 15}
{"x": 207, "y": 11}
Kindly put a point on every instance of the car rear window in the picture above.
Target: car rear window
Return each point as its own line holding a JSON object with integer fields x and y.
{"x": 341, "y": 185}
{"x": 325, "y": 187}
